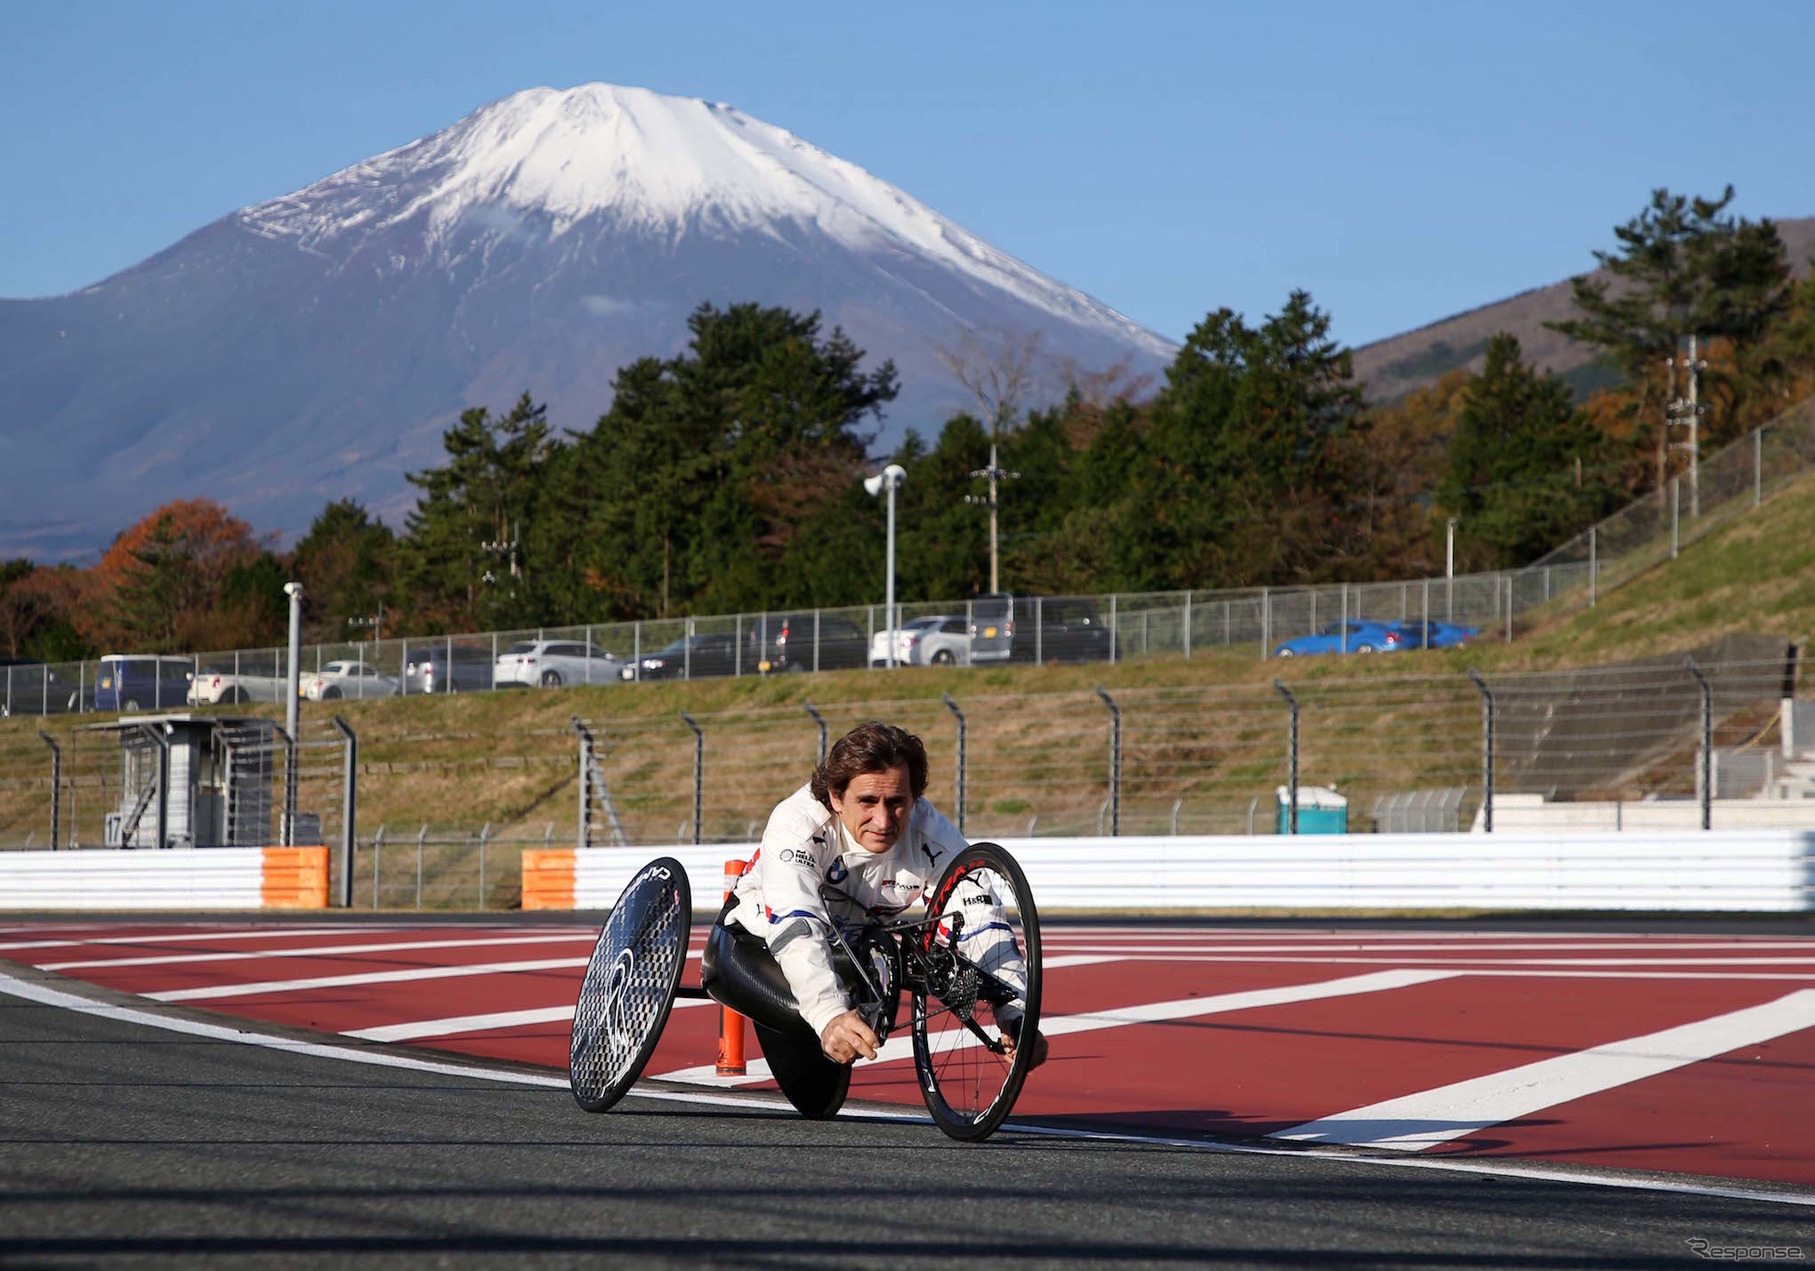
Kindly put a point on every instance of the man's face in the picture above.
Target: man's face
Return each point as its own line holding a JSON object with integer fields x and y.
{"x": 875, "y": 807}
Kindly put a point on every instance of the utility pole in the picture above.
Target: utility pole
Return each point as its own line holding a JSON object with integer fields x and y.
{"x": 505, "y": 549}
{"x": 1687, "y": 413}
{"x": 996, "y": 474}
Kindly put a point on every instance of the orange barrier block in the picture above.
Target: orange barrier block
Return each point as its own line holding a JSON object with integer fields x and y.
{"x": 295, "y": 878}
{"x": 548, "y": 878}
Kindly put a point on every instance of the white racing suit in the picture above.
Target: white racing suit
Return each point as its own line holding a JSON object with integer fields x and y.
{"x": 805, "y": 846}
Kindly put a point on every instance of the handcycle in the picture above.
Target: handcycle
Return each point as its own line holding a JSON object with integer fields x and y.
{"x": 973, "y": 987}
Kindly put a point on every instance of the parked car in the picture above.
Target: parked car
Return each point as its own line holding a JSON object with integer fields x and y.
{"x": 1012, "y": 628}
{"x": 131, "y": 682}
{"x": 216, "y": 685}
{"x": 1358, "y": 635}
{"x": 696, "y": 655}
{"x": 552, "y": 663}
{"x": 1448, "y": 635}
{"x": 348, "y": 678}
{"x": 426, "y": 669}
{"x": 906, "y": 639}
{"x": 803, "y": 642}
{"x": 941, "y": 640}
{"x": 32, "y": 688}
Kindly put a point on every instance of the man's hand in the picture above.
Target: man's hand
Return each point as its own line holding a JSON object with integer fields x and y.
{"x": 847, "y": 1037}
{"x": 1039, "y": 1049}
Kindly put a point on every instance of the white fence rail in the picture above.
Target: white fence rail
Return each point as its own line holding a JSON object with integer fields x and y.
{"x": 1719, "y": 871}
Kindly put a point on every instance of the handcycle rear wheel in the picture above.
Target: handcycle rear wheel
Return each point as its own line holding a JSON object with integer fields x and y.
{"x": 630, "y": 983}
{"x": 969, "y": 997}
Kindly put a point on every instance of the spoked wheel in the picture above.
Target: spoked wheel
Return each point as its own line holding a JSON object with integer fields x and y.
{"x": 630, "y": 984}
{"x": 975, "y": 980}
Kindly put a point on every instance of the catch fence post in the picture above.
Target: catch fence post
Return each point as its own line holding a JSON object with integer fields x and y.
{"x": 1291, "y": 758}
{"x": 1487, "y": 748}
{"x": 699, "y": 773}
{"x": 731, "y": 1061}
{"x": 1112, "y": 630}
{"x": 1594, "y": 573}
{"x": 421, "y": 835}
{"x": 952, "y": 706}
{"x": 1039, "y": 630}
{"x": 1509, "y": 608}
{"x": 56, "y": 789}
{"x": 1345, "y": 617}
{"x": 1707, "y": 773}
{"x": 820, "y": 721}
{"x": 1115, "y": 762}
{"x": 1266, "y": 622}
{"x": 1187, "y": 624}
{"x": 485, "y": 833}
{"x": 583, "y": 832}
{"x": 377, "y": 860}
{"x": 636, "y": 650}
{"x": 349, "y": 806}
{"x": 816, "y": 658}
{"x": 1758, "y": 466}
{"x": 1676, "y": 513}
{"x": 1427, "y": 613}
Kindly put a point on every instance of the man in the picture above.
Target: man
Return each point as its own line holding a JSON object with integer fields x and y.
{"x": 858, "y": 841}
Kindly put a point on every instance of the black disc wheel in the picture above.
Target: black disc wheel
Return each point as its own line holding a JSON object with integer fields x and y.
{"x": 630, "y": 984}
{"x": 975, "y": 984}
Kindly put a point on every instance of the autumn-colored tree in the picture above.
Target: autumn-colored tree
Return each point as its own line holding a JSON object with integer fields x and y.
{"x": 159, "y": 587}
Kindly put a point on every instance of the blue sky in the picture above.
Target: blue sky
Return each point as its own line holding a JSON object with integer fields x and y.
{"x": 1402, "y": 162}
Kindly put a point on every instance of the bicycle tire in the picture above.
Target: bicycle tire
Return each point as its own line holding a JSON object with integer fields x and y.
{"x": 630, "y": 983}
{"x": 969, "y": 1090}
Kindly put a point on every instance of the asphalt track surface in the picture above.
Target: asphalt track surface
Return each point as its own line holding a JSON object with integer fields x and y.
{"x": 123, "y": 1144}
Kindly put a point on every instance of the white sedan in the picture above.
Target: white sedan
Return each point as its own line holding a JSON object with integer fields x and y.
{"x": 552, "y": 663}
{"x": 348, "y": 679}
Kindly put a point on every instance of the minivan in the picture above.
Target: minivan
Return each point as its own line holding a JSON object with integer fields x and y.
{"x": 132, "y": 682}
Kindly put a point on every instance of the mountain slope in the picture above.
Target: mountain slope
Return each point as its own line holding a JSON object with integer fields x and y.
{"x": 316, "y": 346}
{"x": 1399, "y": 364}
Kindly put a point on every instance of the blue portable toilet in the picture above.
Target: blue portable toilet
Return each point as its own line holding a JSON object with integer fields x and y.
{"x": 1320, "y": 811}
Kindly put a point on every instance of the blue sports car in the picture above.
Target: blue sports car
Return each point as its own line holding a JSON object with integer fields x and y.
{"x": 1355, "y": 636}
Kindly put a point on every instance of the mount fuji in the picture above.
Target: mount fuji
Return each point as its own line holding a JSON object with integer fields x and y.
{"x": 316, "y": 346}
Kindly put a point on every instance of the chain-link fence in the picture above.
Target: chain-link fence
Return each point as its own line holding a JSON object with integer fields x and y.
{"x": 1096, "y": 628}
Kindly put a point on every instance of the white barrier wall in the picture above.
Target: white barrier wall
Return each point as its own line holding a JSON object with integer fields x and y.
{"x": 1735, "y": 871}
{"x": 176, "y": 879}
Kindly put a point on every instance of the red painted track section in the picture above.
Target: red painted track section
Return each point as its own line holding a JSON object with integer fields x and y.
{"x": 1324, "y": 1043}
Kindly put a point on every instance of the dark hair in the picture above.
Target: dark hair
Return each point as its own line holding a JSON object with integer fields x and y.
{"x": 870, "y": 747}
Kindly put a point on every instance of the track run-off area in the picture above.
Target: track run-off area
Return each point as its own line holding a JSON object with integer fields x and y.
{"x": 1657, "y": 1066}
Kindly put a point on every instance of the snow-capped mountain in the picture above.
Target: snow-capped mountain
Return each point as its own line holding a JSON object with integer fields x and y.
{"x": 315, "y": 346}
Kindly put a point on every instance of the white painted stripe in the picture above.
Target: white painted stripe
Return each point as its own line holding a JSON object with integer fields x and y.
{"x": 265, "y": 933}
{"x": 484, "y": 1023}
{"x": 1414, "y": 1122}
{"x": 312, "y": 951}
{"x": 1388, "y": 946}
{"x": 745, "y": 1099}
{"x": 1077, "y": 959}
{"x": 213, "y": 992}
{"x": 901, "y": 1046}
{"x": 1211, "y": 954}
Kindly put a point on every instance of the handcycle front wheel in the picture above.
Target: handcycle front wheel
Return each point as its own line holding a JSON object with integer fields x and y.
{"x": 976, "y": 994}
{"x": 630, "y": 984}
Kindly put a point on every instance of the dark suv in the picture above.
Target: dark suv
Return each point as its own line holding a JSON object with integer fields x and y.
{"x": 785, "y": 641}
{"x": 1008, "y": 628}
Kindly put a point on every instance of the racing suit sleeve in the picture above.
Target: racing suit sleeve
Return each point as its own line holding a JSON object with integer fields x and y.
{"x": 795, "y": 856}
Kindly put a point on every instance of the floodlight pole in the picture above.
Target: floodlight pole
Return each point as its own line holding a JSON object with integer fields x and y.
{"x": 889, "y": 480}
{"x": 1707, "y": 742}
